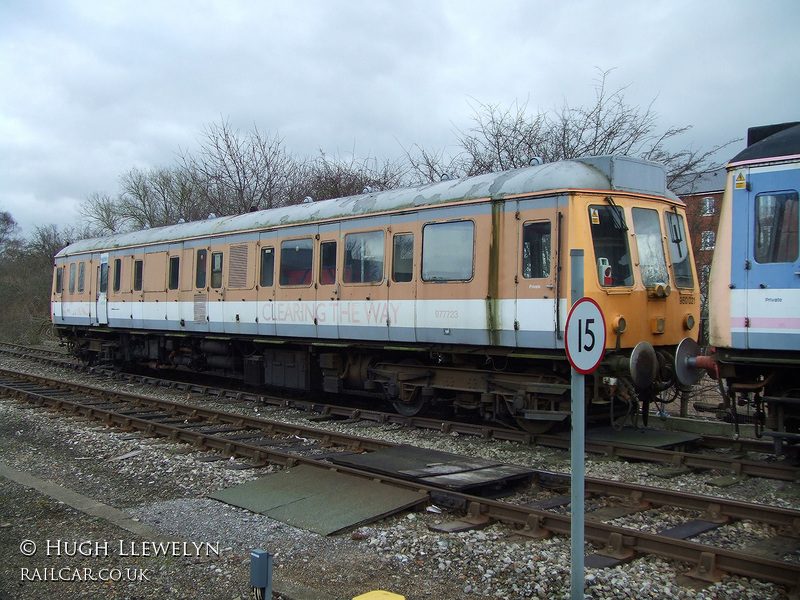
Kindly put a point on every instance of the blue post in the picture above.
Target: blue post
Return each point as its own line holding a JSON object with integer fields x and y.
{"x": 577, "y": 444}
{"x": 261, "y": 574}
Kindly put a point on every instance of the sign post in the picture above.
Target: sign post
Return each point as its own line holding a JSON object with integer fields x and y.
{"x": 585, "y": 341}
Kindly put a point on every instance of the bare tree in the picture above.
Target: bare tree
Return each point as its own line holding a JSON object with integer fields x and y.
{"x": 8, "y": 230}
{"x": 238, "y": 173}
{"x": 506, "y": 138}
{"x": 102, "y": 214}
{"x": 335, "y": 177}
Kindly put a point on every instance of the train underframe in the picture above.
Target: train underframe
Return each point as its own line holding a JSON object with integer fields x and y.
{"x": 531, "y": 391}
{"x": 762, "y": 389}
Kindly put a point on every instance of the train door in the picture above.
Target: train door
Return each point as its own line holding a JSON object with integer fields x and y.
{"x": 265, "y": 286}
{"x": 137, "y": 290}
{"x": 101, "y": 304}
{"x": 363, "y": 309}
{"x": 327, "y": 281}
{"x": 198, "y": 315}
{"x": 56, "y": 306}
{"x": 175, "y": 273}
{"x": 403, "y": 267}
{"x": 538, "y": 307}
{"x": 772, "y": 268}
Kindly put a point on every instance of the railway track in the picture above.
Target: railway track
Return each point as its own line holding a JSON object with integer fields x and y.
{"x": 262, "y": 441}
{"x": 703, "y": 453}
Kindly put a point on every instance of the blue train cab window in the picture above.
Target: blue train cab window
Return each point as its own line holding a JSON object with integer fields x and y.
{"x": 536, "y": 250}
{"x": 59, "y": 280}
{"x": 216, "y": 270}
{"x": 81, "y": 276}
{"x": 448, "y": 251}
{"x": 649, "y": 243}
{"x": 363, "y": 257}
{"x": 679, "y": 251}
{"x": 403, "y": 257}
{"x": 267, "y": 267}
{"x": 776, "y": 223}
{"x": 72, "y": 270}
{"x": 296, "y": 262}
{"x": 327, "y": 263}
{"x": 610, "y": 242}
{"x": 200, "y": 273}
{"x": 174, "y": 270}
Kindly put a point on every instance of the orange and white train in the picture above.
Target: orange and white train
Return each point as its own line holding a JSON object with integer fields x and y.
{"x": 453, "y": 292}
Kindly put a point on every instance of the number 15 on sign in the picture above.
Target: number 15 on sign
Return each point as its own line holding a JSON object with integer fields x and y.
{"x": 585, "y": 335}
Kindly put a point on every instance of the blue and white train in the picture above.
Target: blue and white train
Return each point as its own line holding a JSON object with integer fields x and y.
{"x": 754, "y": 286}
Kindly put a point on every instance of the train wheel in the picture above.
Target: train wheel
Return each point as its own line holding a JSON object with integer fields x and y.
{"x": 535, "y": 427}
{"x": 407, "y": 399}
{"x": 413, "y": 407}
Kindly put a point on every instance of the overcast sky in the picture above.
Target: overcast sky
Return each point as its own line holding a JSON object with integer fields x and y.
{"x": 90, "y": 89}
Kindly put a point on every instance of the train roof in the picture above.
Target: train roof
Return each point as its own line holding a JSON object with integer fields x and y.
{"x": 612, "y": 173}
{"x": 770, "y": 142}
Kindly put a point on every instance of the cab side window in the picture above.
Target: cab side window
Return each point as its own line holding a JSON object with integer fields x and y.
{"x": 536, "y": 250}
{"x": 777, "y": 223}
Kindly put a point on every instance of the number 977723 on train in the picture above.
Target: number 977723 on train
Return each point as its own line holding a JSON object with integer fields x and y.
{"x": 455, "y": 292}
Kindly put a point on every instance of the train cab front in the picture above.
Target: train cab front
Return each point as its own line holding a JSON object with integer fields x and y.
{"x": 642, "y": 275}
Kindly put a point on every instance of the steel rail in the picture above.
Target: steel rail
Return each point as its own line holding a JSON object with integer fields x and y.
{"x": 617, "y": 541}
{"x": 781, "y": 471}
{"x": 715, "y": 508}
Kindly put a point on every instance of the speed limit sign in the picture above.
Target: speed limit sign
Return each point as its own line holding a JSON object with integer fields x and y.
{"x": 585, "y": 335}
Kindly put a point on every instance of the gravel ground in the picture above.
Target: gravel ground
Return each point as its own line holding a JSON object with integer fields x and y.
{"x": 165, "y": 486}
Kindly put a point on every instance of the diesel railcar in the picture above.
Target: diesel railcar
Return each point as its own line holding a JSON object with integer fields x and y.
{"x": 754, "y": 286}
{"x": 454, "y": 292}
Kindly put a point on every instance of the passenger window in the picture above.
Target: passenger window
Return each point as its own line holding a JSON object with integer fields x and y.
{"x": 610, "y": 242}
{"x": 363, "y": 257}
{"x": 536, "y": 249}
{"x": 679, "y": 251}
{"x": 448, "y": 251}
{"x": 403, "y": 258}
{"x": 59, "y": 280}
{"x": 649, "y": 242}
{"x": 117, "y": 274}
{"x": 200, "y": 272}
{"x": 138, "y": 268}
{"x": 81, "y": 276}
{"x": 216, "y": 270}
{"x": 776, "y": 239}
{"x": 296, "y": 262}
{"x": 327, "y": 263}
{"x": 72, "y": 270}
{"x": 174, "y": 264}
{"x": 267, "y": 267}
